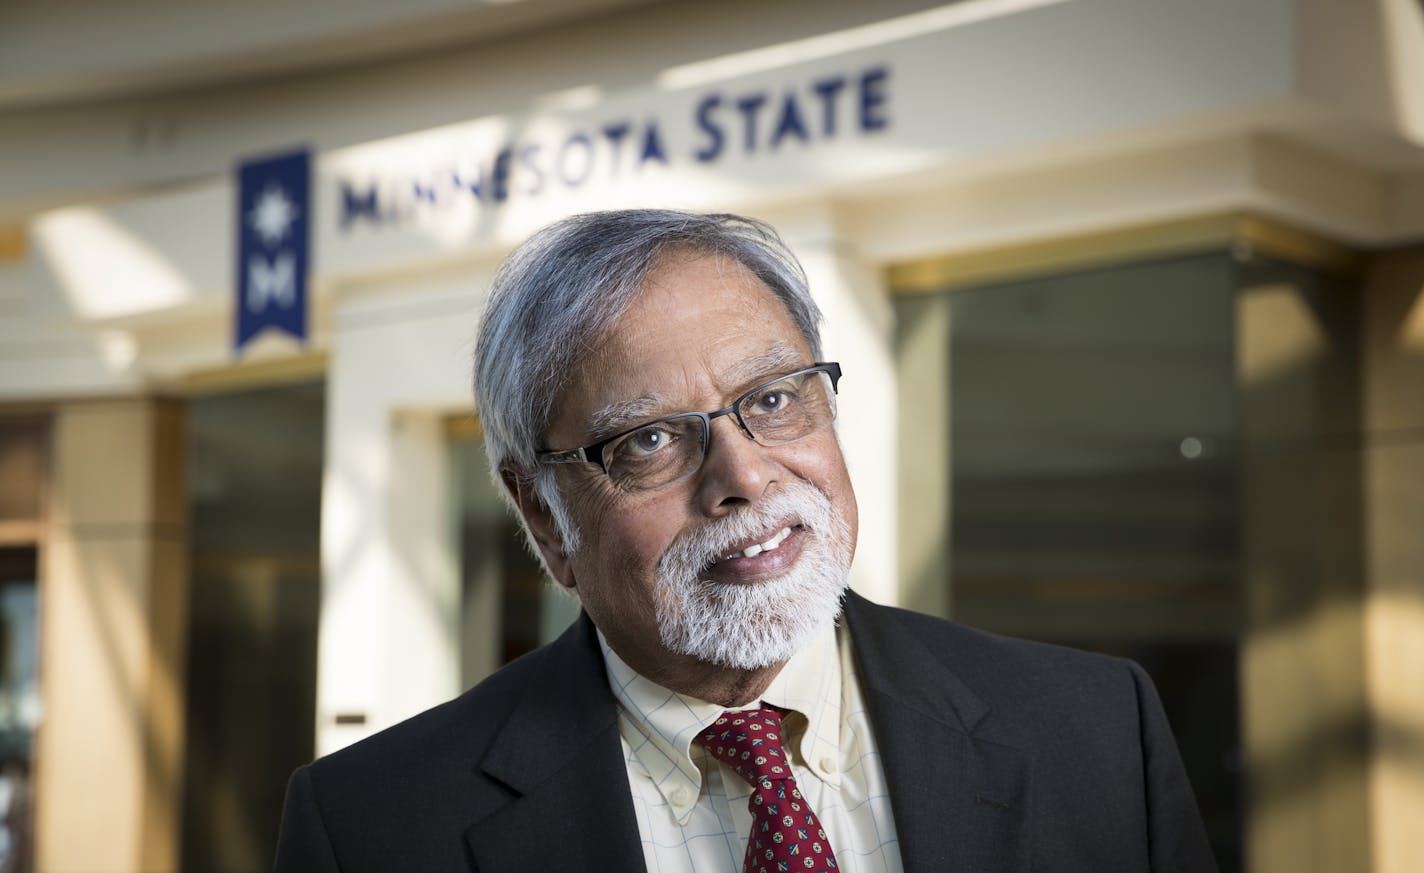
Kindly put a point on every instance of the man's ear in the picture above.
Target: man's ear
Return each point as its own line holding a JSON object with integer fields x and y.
{"x": 541, "y": 524}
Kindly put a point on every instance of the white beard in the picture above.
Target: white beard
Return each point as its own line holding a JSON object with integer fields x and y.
{"x": 753, "y": 626}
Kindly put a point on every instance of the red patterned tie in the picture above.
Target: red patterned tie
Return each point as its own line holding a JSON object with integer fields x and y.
{"x": 786, "y": 835}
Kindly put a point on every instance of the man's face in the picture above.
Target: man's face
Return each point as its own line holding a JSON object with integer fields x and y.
{"x": 656, "y": 570}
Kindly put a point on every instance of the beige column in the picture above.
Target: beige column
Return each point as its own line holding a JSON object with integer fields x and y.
{"x": 1304, "y": 708}
{"x": 1393, "y": 300}
{"x": 114, "y": 616}
{"x": 922, "y": 364}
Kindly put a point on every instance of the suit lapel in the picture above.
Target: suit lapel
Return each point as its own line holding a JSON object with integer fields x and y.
{"x": 560, "y": 762}
{"x": 959, "y": 798}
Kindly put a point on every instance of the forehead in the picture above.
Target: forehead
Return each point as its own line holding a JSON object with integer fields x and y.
{"x": 695, "y": 303}
{"x": 701, "y": 328}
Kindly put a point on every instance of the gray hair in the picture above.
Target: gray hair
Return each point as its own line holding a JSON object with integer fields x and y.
{"x": 564, "y": 287}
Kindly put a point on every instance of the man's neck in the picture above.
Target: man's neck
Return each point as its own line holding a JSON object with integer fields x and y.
{"x": 725, "y": 686}
{"x": 731, "y": 688}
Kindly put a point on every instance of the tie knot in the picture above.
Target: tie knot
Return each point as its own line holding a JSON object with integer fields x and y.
{"x": 749, "y": 742}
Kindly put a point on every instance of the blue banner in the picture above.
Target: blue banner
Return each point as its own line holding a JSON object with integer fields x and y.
{"x": 273, "y": 244}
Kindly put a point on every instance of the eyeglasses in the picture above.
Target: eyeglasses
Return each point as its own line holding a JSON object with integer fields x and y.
{"x": 665, "y": 450}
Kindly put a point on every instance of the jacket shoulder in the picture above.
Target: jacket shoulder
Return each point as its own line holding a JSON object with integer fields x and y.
{"x": 454, "y": 733}
{"x": 405, "y": 797}
{"x": 980, "y": 652}
{"x": 1028, "y": 689}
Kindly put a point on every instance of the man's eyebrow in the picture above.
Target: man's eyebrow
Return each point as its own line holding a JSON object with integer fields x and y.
{"x": 620, "y": 415}
{"x": 781, "y": 358}
{"x": 616, "y": 417}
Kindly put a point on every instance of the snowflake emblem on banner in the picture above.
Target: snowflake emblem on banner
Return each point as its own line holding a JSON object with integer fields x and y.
{"x": 271, "y": 218}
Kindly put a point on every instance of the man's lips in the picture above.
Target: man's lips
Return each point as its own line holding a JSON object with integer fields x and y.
{"x": 757, "y": 547}
{"x": 768, "y": 557}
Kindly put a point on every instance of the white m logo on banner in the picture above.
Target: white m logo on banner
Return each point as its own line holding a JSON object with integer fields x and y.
{"x": 271, "y": 283}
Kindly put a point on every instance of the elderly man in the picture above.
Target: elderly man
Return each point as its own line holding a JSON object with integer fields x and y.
{"x": 656, "y": 404}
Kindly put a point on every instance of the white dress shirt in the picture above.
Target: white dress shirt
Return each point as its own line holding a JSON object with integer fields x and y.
{"x": 692, "y": 810}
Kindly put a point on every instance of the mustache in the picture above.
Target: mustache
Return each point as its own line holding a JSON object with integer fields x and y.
{"x": 800, "y": 504}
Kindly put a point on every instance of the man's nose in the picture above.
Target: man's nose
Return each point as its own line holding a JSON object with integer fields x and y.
{"x": 736, "y": 470}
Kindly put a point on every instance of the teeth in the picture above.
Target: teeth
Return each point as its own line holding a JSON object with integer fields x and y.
{"x": 776, "y": 540}
{"x": 769, "y": 545}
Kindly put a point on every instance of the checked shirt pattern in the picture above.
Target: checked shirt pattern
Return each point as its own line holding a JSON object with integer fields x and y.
{"x": 786, "y": 836}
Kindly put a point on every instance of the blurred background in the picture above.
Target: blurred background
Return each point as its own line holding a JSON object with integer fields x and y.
{"x": 1127, "y": 293}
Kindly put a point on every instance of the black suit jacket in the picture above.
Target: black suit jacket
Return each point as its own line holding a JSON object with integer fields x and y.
{"x": 1000, "y": 755}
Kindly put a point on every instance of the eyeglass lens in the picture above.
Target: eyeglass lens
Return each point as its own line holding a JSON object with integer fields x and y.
{"x": 667, "y": 450}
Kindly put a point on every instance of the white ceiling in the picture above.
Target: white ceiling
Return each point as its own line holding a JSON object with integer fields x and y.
{"x": 83, "y": 50}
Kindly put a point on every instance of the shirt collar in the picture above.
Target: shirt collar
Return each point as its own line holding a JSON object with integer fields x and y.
{"x": 659, "y": 725}
{"x": 810, "y": 686}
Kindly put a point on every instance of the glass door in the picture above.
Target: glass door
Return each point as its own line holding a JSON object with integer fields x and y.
{"x": 1093, "y": 484}
{"x": 19, "y": 704}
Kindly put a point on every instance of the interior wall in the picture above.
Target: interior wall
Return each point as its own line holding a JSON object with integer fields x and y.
{"x": 390, "y": 581}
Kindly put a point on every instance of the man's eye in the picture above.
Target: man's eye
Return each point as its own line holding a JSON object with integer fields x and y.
{"x": 772, "y": 400}
{"x": 646, "y": 441}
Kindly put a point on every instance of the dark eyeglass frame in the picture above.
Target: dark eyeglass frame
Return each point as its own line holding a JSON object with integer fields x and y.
{"x": 593, "y": 454}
